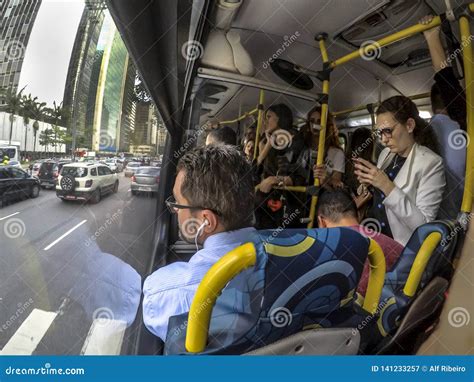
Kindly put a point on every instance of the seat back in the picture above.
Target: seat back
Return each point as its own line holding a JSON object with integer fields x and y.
{"x": 428, "y": 253}
{"x": 302, "y": 278}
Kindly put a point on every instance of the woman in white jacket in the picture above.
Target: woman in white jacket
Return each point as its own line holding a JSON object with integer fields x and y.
{"x": 408, "y": 181}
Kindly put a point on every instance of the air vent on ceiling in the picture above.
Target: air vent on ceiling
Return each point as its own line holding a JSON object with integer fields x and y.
{"x": 375, "y": 19}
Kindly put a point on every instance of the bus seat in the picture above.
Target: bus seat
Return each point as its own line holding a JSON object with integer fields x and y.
{"x": 428, "y": 253}
{"x": 302, "y": 278}
{"x": 337, "y": 341}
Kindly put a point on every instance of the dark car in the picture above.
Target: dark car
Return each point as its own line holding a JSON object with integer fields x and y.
{"x": 49, "y": 171}
{"x": 17, "y": 184}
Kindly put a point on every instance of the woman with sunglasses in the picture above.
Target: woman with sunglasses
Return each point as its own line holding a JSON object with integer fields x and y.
{"x": 334, "y": 160}
{"x": 408, "y": 182}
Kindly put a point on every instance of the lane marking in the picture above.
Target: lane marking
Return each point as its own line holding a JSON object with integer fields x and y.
{"x": 105, "y": 337}
{"x": 30, "y": 333}
{"x": 63, "y": 236}
{"x": 9, "y": 216}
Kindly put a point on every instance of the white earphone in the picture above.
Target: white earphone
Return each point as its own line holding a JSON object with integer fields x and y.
{"x": 199, "y": 232}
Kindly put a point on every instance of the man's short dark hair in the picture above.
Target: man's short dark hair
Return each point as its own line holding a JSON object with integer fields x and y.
{"x": 220, "y": 178}
{"x": 437, "y": 104}
{"x": 335, "y": 205}
{"x": 224, "y": 135}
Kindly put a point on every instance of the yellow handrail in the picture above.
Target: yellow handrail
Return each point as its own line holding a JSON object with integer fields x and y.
{"x": 403, "y": 34}
{"x": 322, "y": 133}
{"x": 216, "y": 278}
{"x": 466, "y": 43}
{"x": 261, "y": 100}
{"x": 419, "y": 265}
{"x": 376, "y": 277}
{"x": 240, "y": 118}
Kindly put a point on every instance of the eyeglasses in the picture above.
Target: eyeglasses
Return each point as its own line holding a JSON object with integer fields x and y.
{"x": 173, "y": 207}
{"x": 385, "y": 132}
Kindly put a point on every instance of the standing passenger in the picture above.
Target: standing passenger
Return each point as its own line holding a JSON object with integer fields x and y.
{"x": 408, "y": 181}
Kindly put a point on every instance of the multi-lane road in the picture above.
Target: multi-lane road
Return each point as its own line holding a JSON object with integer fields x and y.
{"x": 69, "y": 270}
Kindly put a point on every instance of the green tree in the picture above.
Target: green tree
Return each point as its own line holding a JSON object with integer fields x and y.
{"x": 38, "y": 113}
{"x": 60, "y": 117}
{"x": 26, "y": 111}
{"x": 12, "y": 105}
{"x": 46, "y": 138}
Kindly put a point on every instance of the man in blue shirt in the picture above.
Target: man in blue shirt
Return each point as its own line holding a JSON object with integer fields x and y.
{"x": 213, "y": 196}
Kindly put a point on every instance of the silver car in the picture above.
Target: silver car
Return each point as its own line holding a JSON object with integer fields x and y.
{"x": 145, "y": 179}
{"x": 131, "y": 168}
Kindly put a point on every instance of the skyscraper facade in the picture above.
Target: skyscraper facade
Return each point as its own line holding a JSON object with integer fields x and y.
{"x": 16, "y": 21}
{"x": 100, "y": 86}
{"x": 83, "y": 73}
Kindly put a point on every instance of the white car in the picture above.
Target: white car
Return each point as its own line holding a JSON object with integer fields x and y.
{"x": 114, "y": 165}
{"x": 86, "y": 181}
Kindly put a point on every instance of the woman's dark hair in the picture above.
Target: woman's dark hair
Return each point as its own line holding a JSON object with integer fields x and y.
{"x": 362, "y": 143}
{"x": 220, "y": 178}
{"x": 404, "y": 108}
{"x": 332, "y": 134}
{"x": 284, "y": 114}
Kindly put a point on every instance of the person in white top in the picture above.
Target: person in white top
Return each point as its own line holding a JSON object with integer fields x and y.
{"x": 408, "y": 181}
{"x": 334, "y": 159}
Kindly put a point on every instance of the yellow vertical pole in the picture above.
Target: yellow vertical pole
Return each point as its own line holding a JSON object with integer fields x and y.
{"x": 261, "y": 100}
{"x": 468, "y": 59}
{"x": 324, "y": 120}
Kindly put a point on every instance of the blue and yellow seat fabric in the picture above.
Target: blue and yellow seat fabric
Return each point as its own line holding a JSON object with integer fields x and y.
{"x": 295, "y": 279}
{"x": 428, "y": 253}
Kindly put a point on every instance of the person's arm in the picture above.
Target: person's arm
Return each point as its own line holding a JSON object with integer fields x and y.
{"x": 424, "y": 208}
{"x": 161, "y": 302}
{"x": 432, "y": 36}
{"x": 263, "y": 151}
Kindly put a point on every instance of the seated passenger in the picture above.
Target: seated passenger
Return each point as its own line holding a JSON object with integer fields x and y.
{"x": 224, "y": 135}
{"x": 337, "y": 209}
{"x": 213, "y": 196}
{"x": 334, "y": 159}
{"x": 408, "y": 182}
{"x": 449, "y": 116}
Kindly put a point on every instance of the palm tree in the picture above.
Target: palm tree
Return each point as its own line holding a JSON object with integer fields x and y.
{"x": 59, "y": 114}
{"x": 12, "y": 106}
{"x": 37, "y": 113}
{"x": 27, "y": 105}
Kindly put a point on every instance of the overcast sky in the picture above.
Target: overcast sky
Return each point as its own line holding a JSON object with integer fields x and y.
{"x": 49, "y": 49}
